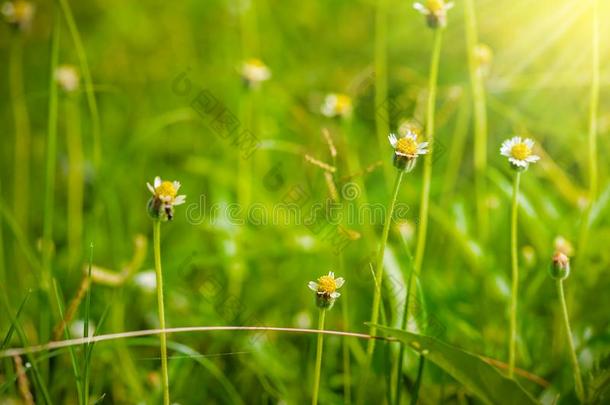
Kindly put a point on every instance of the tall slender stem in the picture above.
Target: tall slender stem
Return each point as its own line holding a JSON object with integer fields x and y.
{"x": 381, "y": 81}
{"x": 75, "y": 179}
{"x": 580, "y": 392}
{"x": 515, "y": 277}
{"x": 425, "y": 195}
{"x": 480, "y": 119}
{"x": 593, "y": 111}
{"x": 162, "y": 336}
{"x": 84, "y": 65}
{"x": 22, "y": 133}
{"x": 379, "y": 264}
{"x": 318, "y": 369}
{"x": 594, "y": 104}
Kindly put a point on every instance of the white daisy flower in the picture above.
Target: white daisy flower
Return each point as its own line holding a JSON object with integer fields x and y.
{"x": 407, "y": 149}
{"x": 435, "y": 12}
{"x": 67, "y": 77}
{"x": 20, "y": 13}
{"x": 161, "y": 205}
{"x": 336, "y": 105}
{"x": 326, "y": 289}
{"x": 519, "y": 152}
{"x": 254, "y": 72}
{"x": 146, "y": 281}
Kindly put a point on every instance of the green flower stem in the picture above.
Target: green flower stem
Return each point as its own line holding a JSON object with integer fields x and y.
{"x": 515, "y": 277}
{"x": 87, "y": 79}
{"x": 381, "y": 82}
{"x": 347, "y": 374}
{"x": 318, "y": 370}
{"x": 593, "y": 112}
{"x": 425, "y": 195}
{"x": 379, "y": 265}
{"x": 594, "y": 104}
{"x": 480, "y": 119}
{"x": 75, "y": 192}
{"x": 22, "y": 133}
{"x": 580, "y": 392}
{"x": 162, "y": 336}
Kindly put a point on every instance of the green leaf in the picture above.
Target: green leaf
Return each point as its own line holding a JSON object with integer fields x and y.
{"x": 470, "y": 370}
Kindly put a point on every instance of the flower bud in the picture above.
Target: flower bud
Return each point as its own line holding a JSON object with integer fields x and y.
{"x": 560, "y": 266}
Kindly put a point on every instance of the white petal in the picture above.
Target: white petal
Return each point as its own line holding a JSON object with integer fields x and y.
{"x": 313, "y": 286}
{"x": 151, "y": 188}
{"x": 400, "y": 154}
{"x": 339, "y": 282}
{"x": 157, "y": 182}
{"x": 518, "y": 162}
{"x": 180, "y": 200}
{"x": 332, "y": 274}
{"x": 176, "y": 185}
{"x": 335, "y": 295}
{"x": 449, "y": 6}
{"x": 533, "y": 158}
{"x": 411, "y": 135}
{"x": 529, "y": 143}
{"x": 393, "y": 140}
{"x": 423, "y": 145}
{"x": 421, "y": 8}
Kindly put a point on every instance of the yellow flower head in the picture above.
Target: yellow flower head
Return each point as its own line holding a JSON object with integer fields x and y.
{"x": 406, "y": 150}
{"x": 519, "y": 152}
{"x": 435, "y": 12}
{"x": 20, "y": 13}
{"x": 165, "y": 198}
{"x": 326, "y": 289}
{"x": 254, "y": 72}
{"x": 337, "y": 105}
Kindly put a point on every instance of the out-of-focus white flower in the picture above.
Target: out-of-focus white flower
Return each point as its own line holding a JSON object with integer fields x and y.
{"x": 67, "y": 77}
{"x": 254, "y": 72}
{"x": 78, "y": 327}
{"x": 19, "y": 13}
{"x": 337, "y": 105}
{"x": 146, "y": 281}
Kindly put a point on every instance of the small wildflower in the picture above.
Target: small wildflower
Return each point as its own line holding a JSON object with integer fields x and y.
{"x": 254, "y": 72}
{"x": 67, "y": 77}
{"x": 406, "y": 150}
{"x": 560, "y": 266}
{"x": 410, "y": 126}
{"x": 564, "y": 246}
{"x": 326, "y": 289}
{"x": 483, "y": 56}
{"x": 161, "y": 204}
{"x": 146, "y": 281}
{"x": 18, "y": 13}
{"x": 519, "y": 152}
{"x": 435, "y": 12}
{"x": 337, "y": 105}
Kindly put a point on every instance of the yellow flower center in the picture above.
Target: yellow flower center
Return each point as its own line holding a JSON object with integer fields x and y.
{"x": 435, "y": 5}
{"x": 520, "y": 151}
{"x": 166, "y": 189}
{"x": 327, "y": 284}
{"x": 255, "y": 63}
{"x": 344, "y": 103}
{"x": 407, "y": 146}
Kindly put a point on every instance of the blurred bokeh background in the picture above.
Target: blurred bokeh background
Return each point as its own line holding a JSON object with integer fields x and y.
{"x": 162, "y": 71}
